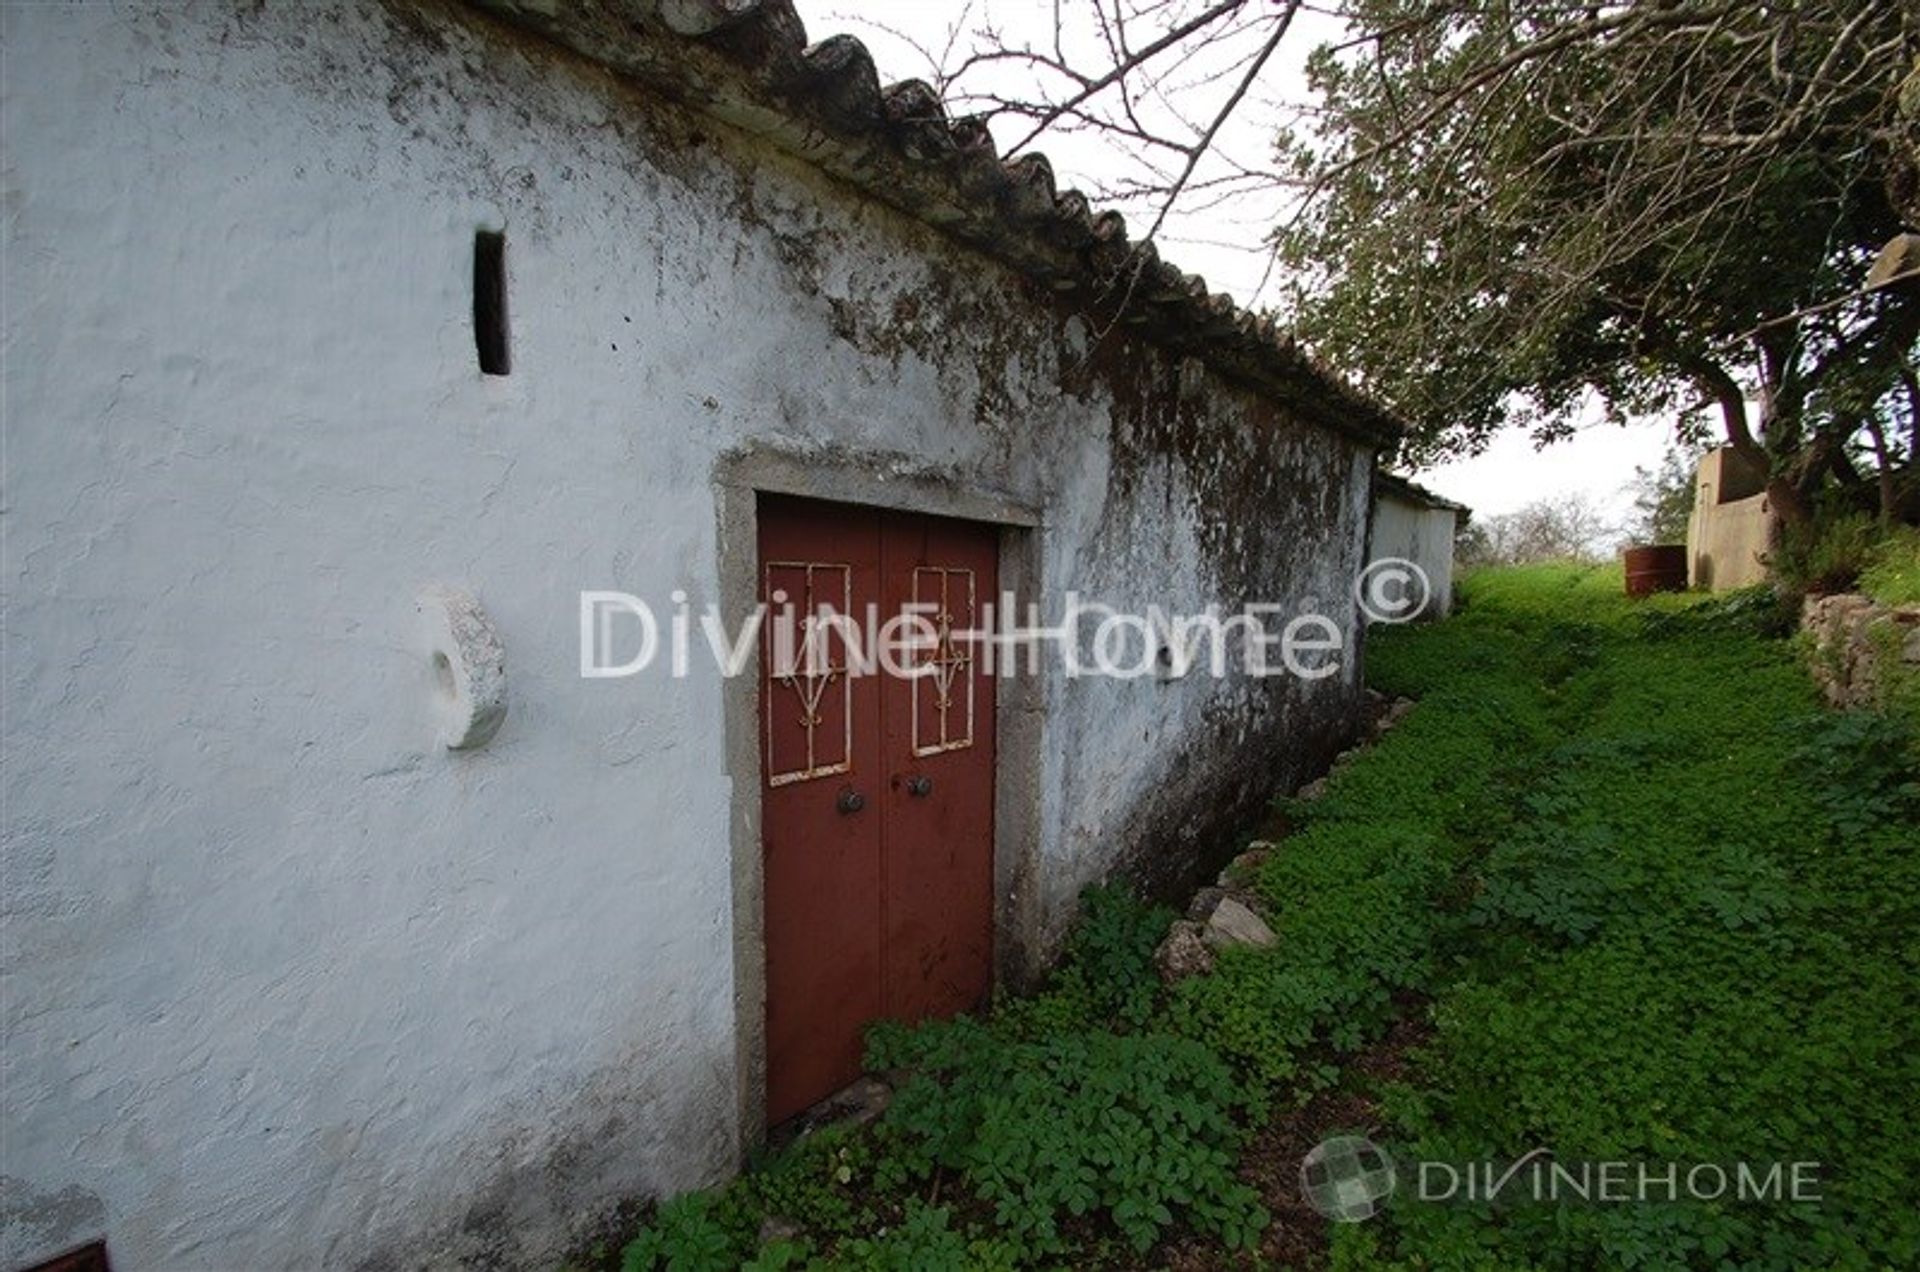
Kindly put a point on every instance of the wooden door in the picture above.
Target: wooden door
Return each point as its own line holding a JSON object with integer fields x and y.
{"x": 877, "y": 787}
{"x": 937, "y": 858}
{"x": 820, "y": 730}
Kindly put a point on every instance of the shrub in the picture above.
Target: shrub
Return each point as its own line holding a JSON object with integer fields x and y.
{"x": 1826, "y": 555}
{"x": 1761, "y": 610}
{"x": 822, "y": 1184}
{"x": 699, "y": 1232}
{"x": 1135, "y": 1128}
{"x": 925, "y": 1240}
{"x": 1106, "y": 977}
{"x": 1892, "y": 573}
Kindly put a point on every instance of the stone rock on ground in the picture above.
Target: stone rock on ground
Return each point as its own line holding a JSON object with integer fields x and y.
{"x": 1233, "y": 922}
{"x": 774, "y": 1228}
{"x": 1183, "y": 953}
{"x": 1201, "y": 908}
{"x": 859, "y": 1102}
{"x": 1207, "y": 902}
{"x": 1226, "y": 914}
{"x": 856, "y": 1104}
{"x": 1382, "y": 713}
{"x": 865, "y": 1099}
{"x": 1393, "y": 715}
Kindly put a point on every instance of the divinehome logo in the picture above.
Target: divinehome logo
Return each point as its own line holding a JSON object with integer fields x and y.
{"x": 1349, "y": 1178}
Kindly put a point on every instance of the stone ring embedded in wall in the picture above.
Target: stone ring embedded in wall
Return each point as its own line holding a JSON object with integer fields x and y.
{"x": 469, "y": 666}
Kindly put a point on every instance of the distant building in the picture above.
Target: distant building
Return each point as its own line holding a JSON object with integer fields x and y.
{"x": 1412, "y": 524}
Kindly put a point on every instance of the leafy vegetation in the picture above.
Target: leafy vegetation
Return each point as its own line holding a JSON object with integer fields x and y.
{"x": 1891, "y": 572}
{"x": 1133, "y": 1127}
{"x": 1652, "y": 903}
{"x": 1691, "y": 938}
{"x": 1827, "y": 555}
{"x": 1063, "y": 1128}
{"x": 1516, "y": 199}
{"x": 1663, "y": 497}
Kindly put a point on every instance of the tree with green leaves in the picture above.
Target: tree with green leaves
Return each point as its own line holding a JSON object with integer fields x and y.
{"x": 1671, "y": 205}
{"x": 1507, "y": 209}
{"x": 1663, "y": 498}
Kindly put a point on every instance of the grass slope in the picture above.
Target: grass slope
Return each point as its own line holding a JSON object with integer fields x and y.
{"x": 1652, "y": 904}
{"x": 1687, "y": 929}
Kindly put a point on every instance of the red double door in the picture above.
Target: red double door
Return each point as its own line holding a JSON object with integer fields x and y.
{"x": 877, "y": 788}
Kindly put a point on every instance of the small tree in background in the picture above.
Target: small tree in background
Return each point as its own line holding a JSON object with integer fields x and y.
{"x": 1663, "y": 498}
{"x": 1562, "y": 528}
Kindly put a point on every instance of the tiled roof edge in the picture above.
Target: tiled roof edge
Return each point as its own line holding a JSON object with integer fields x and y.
{"x": 1407, "y": 490}
{"x": 748, "y": 63}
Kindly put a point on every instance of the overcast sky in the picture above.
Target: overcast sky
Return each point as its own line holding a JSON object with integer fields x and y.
{"x": 1222, "y": 239}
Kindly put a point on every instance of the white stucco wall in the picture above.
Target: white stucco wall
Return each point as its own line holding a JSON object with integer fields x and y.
{"x": 287, "y": 983}
{"x": 1410, "y": 531}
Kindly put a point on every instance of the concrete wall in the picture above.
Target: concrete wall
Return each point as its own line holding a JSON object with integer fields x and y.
{"x": 1731, "y": 526}
{"x": 287, "y": 982}
{"x": 1407, "y": 530}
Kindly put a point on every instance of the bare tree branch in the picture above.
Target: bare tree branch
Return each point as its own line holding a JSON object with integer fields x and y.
{"x": 1201, "y": 147}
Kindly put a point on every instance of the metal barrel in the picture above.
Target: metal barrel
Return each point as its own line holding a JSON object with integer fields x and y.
{"x": 1656, "y": 569}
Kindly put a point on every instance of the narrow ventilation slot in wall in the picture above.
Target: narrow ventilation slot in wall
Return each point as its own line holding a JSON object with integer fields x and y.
{"x": 490, "y": 300}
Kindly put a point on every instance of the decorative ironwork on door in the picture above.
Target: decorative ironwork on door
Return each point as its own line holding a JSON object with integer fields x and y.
{"x": 943, "y": 701}
{"x": 809, "y": 720}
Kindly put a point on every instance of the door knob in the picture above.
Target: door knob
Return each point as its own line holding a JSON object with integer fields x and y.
{"x": 850, "y": 801}
{"x": 919, "y": 785}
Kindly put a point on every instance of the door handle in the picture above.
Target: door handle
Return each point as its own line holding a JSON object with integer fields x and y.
{"x": 919, "y": 785}
{"x": 850, "y": 801}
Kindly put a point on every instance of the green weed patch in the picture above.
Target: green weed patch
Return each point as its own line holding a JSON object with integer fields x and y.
{"x": 1660, "y": 906}
{"x": 1694, "y": 942}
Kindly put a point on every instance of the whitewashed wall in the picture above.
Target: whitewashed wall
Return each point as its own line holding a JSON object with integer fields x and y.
{"x": 289, "y": 984}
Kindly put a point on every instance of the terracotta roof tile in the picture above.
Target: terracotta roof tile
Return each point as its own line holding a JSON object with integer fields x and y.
{"x": 748, "y": 63}
{"x": 1412, "y": 493}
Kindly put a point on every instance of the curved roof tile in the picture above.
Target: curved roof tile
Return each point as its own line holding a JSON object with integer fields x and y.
{"x": 748, "y": 63}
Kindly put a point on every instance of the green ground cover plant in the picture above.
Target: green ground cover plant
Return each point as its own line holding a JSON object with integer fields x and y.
{"x": 1648, "y": 901}
{"x": 1694, "y": 940}
{"x": 1892, "y": 572}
